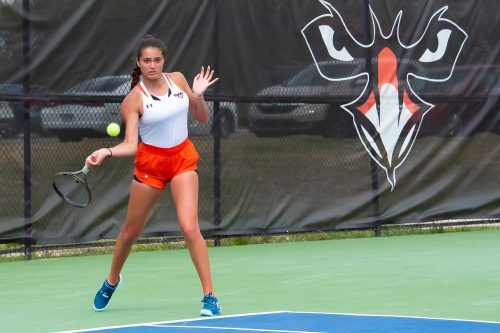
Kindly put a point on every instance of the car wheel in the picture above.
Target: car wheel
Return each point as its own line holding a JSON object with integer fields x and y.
{"x": 261, "y": 134}
{"x": 68, "y": 137}
{"x": 453, "y": 125}
{"x": 123, "y": 130}
{"x": 269, "y": 134}
{"x": 9, "y": 130}
{"x": 332, "y": 126}
{"x": 227, "y": 123}
{"x": 42, "y": 133}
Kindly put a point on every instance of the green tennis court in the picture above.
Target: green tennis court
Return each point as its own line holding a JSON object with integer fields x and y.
{"x": 450, "y": 275}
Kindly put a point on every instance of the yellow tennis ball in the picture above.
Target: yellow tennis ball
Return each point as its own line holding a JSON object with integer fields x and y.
{"x": 113, "y": 129}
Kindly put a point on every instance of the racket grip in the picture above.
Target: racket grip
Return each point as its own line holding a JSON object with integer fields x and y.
{"x": 86, "y": 169}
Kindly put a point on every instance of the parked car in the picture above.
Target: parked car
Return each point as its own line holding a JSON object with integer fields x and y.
{"x": 9, "y": 125}
{"x": 73, "y": 122}
{"x": 12, "y": 113}
{"x": 228, "y": 120}
{"x": 467, "y": 105}
{"x": 285, "y": 118}
{"x": 464, "y": 104}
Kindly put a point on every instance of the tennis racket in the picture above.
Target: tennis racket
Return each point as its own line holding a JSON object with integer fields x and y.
{"x": 72, "y": 187}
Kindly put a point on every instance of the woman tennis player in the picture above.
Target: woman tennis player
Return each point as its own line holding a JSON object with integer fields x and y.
{"x": 157, "y": 109}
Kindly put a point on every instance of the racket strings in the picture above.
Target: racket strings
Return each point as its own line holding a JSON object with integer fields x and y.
{"x": 72, "y": 189}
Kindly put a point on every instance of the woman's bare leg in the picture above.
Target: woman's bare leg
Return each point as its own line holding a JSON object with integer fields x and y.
{"x": 184, "y": 188}
{"x": 142, "y": 200}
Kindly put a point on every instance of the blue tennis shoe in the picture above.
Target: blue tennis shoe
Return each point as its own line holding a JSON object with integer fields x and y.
{"x": 104, "y": 294}
{"x": 211, "y": 306}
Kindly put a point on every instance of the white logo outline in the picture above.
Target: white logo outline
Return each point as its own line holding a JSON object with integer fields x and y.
{"x": 395, "y": 28}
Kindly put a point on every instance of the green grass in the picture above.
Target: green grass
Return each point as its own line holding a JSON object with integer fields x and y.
{"x": 165, "y": 243}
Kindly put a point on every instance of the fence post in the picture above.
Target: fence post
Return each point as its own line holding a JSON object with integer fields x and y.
{"x": 373, "y": 165}
{"x": 216, "y": 133}
{"x": 27, "y": 130}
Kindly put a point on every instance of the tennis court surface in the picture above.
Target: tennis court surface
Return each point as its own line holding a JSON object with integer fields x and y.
{"x": 308, "y": 322}
{"x": 392, "y": 280}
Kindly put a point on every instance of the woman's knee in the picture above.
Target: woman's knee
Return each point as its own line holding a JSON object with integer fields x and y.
{"x": 130, "y": 233}
{"x": 190, "y": 232}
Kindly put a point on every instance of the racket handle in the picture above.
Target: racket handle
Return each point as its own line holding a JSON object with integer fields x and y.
{"x": 85, "y": 169}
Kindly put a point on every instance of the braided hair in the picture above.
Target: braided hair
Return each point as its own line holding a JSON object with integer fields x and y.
{"x": 146, "y": 41}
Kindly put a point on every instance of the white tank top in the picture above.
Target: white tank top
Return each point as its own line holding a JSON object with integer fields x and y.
{"x": 164, "y": 121}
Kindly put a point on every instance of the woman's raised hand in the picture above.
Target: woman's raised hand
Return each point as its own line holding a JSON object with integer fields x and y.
{"x": 202, "y": 81}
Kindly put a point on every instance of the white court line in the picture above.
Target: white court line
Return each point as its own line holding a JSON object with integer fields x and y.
{"x": 233, "y": 328}
{"x": 393, "y": 316}
{"x": 171, "y": 321}
{"x": 272, "y": 312}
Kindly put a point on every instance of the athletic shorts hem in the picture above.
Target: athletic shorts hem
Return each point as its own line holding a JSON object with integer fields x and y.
{"x": 155, "y": 166}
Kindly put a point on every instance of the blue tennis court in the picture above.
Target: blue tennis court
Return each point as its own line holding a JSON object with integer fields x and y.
{"x": 306, "y": 322}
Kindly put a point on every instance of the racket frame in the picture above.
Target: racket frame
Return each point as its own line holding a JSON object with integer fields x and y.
{"x": 82, "y": 180}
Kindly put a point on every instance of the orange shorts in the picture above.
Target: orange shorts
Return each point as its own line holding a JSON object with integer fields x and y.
{"x": 157, "y": 166}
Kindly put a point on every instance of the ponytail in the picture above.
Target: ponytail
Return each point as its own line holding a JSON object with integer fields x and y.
{"x": 136, "y": 76}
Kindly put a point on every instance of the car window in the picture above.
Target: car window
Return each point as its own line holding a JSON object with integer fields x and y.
{"x": 463, "y": 82}
{"x": 10, "y": 88}
{"x": 304, "y": 78}
{"x": 487, "y": 81}
{"x": 102, "y": 85}
{"x": 122, "y": 89}
{"x": 312, "y": 78}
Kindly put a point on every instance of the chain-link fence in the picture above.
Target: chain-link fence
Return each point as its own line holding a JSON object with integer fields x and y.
{"x": 294, "y": 143}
